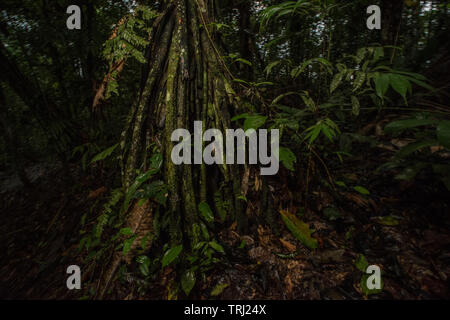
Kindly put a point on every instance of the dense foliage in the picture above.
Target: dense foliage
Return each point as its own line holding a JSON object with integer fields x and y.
{"x": 102, "y": 102}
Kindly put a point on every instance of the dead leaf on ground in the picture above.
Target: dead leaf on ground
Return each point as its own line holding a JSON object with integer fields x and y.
{"x": 97, "y": 193}
{"x": 359, "y": 200}
{"x": 258, "y": 183}
{"x": 263, "y": 237}
{"x": 401, "y": 143}
{"x": 289, "y": 246}
{"x": 244, "y": 184}
{"x": 288, "y": 285}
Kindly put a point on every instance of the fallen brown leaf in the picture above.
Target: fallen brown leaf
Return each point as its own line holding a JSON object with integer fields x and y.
{"x": 97, "y": 193}
{"x": 288, "y": 245}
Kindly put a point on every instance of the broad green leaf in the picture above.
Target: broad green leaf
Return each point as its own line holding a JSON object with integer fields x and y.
{"x": 132, "y": 190}
{"x": 127, "y": 245}
{"x": 400, "y": 125}
{"x": 270, "y": 66}
{"x": 241, "y": 81}
{"x": 206, "y": 211}
{"x": 126, "y": 232}
{"x": 264, "y": 83}
{"x": 361, "y": 190}
{"x": 355, "y": 106}
{"x": 361, "y": 263}
{"x": 378, "y": 53}
{"x": 400, "y": 84}
{"x": 204, "y": 230}
{"x": 145, "y": 240}
{"x": 241, "y": 197}
{"x": 218, "y": 289}
{"x": 254, "y": 122}
{"x": 415, "y": 146}
{"x": 144, "y": 262}
{"x": 216, "y": 246}
{"x": 381, "y": 84}
{"x": 360, "y": 77}
{"x": 340, "y": 183}
{"x": 443, "y": 133}
{"x": 299, "y": 229}
{"x": 104, "y": 154}
{"x": 281, "y": 96}
{"x": 323, "y": 61}
{"x": 171, "y": 255}
{"x": 287, "y": 158}
{"x": 332, "y": 125}
{"x": 336, "y": 81}
{"x": 360, "y": 54}
{"x": 414, "y": 75}
{"x": 156, "y": 162}
{"x": 341, "y": 67}
{"x": 364, "y": 68}
{"x": 243, "y": 61}
{"x": 421, "y": 83}
{"x": 328, "y": 132}
{"x": 309, "y": 102}
{"x": 314, "y": 133}
{"x": 388, "y": 221}
{"x": 188, "y": 281}
{"x": 156, "y": 190}
{"x": 366, "y": 290}
{"x": 240, "y": 116}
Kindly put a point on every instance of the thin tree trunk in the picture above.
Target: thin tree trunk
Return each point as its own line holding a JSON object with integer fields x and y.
{"x": 244, "y": 38}
{"x": 391, "y": 15}
{"x": 11, "y": 142}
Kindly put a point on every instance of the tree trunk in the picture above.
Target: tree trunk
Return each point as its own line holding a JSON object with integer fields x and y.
{"x": 391, "y": 16}
{"x": 187, "y": 81}
{"x": 244, "y": 38}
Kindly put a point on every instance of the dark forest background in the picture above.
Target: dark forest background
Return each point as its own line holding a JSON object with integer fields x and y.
{"x": 86, "y": 176}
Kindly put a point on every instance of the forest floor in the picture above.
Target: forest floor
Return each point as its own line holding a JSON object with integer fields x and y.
{"x": 39, "y": 235}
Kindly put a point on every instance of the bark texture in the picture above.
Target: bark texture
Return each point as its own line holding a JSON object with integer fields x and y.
{"x": 186, "y": 81}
